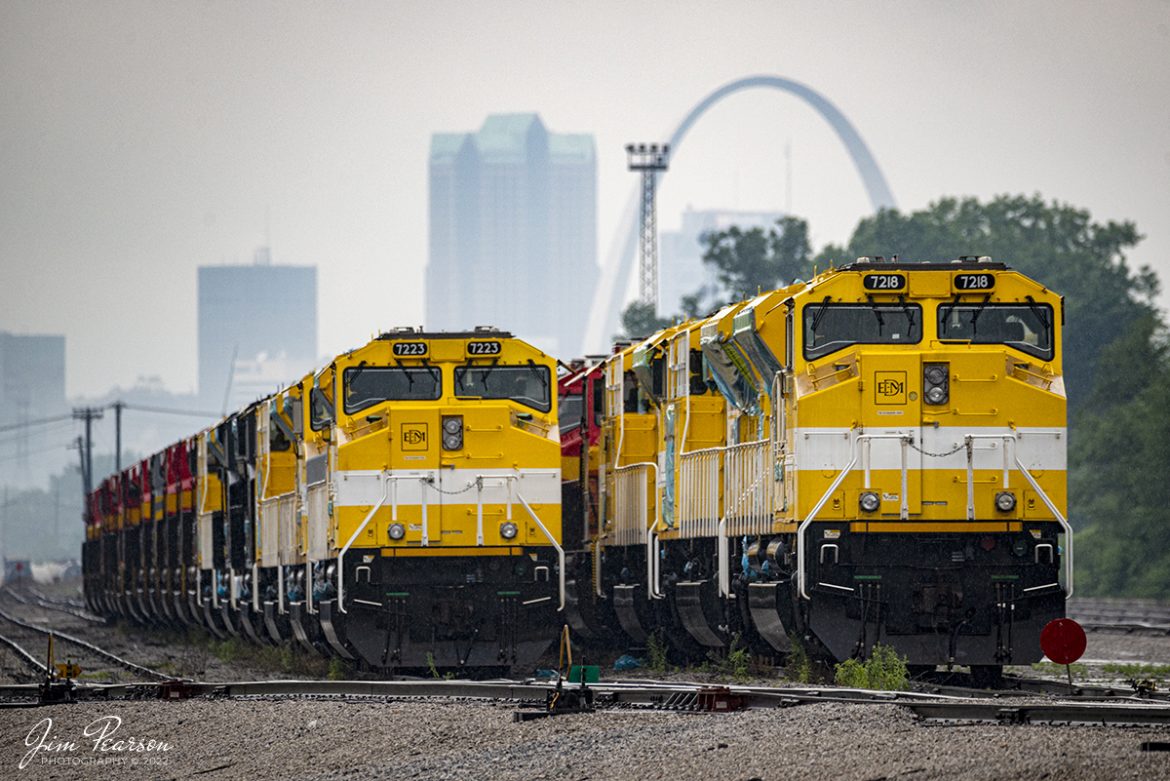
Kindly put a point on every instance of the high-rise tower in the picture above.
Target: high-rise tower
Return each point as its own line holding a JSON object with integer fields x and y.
{"x": 513, "y": 231}
{"x": 257, "y": 329}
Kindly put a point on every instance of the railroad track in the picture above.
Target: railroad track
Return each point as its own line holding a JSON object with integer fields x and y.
{"x": 22, "y": 655}
{"x": 93, "y": 652}
{"x": 68, "y": 601}
{"x": 1132, "y": 616}
{"x": 961, "y": 684}
{"x": 646, "y": 695}
{"x": 39, "y": 600}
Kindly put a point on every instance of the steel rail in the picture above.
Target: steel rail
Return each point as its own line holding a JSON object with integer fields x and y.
{"x": 77, "y": 641}
{"x": 1129, "y": 628}
{"x": 640, "y": 693}
{"x": 33, "y": 598}
{"x": 68, "y": 601}
{"x": 929, "y": 708}
{"x": 1055, "y": 714}
{"x": 1016, "y": 687}
{"x": 23, "y": 654}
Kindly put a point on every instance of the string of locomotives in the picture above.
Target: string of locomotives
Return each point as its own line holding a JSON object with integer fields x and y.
{"x": 876, "y": 455}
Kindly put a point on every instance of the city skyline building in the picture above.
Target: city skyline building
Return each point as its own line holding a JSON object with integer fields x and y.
{"x": 513, "y": 231}
{"x": 683, "y": 272}
{"x": 32, "y": 387}
{"x": 257, "y": 329}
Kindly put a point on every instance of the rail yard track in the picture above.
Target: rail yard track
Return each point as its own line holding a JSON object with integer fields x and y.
{"x": 69, "y": 607}
{"x": 937, "y": 698}
{"x": 92, "y": 657}
{"x": 1132, "y": 616}
{"x": 530, "y": 697}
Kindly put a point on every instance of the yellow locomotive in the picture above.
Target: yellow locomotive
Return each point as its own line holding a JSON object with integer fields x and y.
{"x": 400, "y": 508}
{"x": 877, "y": 455}
{"x": 438, "y": 492}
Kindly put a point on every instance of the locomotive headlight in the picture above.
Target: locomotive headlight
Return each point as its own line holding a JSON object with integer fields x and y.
{"x": 869, "y": 501}
{"x": 397, "y": 531}
{"x": 452, "y": 432}
{"x": 936, "y": 384}
{"x": 508, "y": 530}
{"x": 1005, "y": 501}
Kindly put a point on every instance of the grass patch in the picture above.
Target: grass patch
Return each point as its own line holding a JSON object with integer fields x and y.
{"x": 884, "y": 670}
{"x": 736, "y": 663}
{"x": 338, "y": 670}
{"x": 1079, "y": 671}
{"x": 798, "y": 667}
{"x": 656, "y": 653}
{"x": 1136, "y": 670}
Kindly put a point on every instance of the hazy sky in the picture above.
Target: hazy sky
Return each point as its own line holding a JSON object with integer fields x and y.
{"x": 139, "y": 140}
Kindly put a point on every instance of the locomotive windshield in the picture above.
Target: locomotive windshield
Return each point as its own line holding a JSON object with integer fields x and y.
{"x": 831, "y": 327}
{"x": 366, "y": 386}
{"x": 527, "y": 385}
{"x": 569, "y": 409}
{"x": 1026, "y": 327}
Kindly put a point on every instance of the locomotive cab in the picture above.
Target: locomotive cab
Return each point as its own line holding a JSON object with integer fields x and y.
{"x": 927, "y": 422}
{"x": 445, "y": 502}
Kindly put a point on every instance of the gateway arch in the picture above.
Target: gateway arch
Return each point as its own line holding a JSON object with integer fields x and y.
{"x": 615, "y": 274}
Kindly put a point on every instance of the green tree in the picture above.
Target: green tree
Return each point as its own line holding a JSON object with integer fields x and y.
{"x": 1120, "y": 462}
{"x": 1116, "y": 364}
{"x": 1053, "y": 242}
{"x": 639, "y": 320}
{"x": 748, "y": 261}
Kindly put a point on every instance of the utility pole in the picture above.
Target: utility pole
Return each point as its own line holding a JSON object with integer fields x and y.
{"x": 227, "y": 392}
{"x": 650, "y": 160}
{"x": 118, "y": 407}
{"x": 79, "y": 443}
{"x": 89, "y": 415}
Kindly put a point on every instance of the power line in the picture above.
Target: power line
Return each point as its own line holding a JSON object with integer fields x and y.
{"x": 41, "y": 451}
{"x": 37, "y": 422}
{"x": 168, "y": 410}
{"x": 53, "y": 428}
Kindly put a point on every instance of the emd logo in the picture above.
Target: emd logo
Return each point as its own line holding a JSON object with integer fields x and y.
{"x": 889, "y": 387}
{"x": 414, "y": 436}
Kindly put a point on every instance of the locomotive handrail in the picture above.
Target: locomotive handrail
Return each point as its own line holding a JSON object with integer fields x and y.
{"x": 1064, "y": 524}
{"x": 553, "y": 542}
{"x": 732, "y": 506}
{"x": 969, "y": 442}
{"x": 801, "y": 571}
{"x": 653, "y": 567}
{"x": 352, "y": 538}
{"x": 1010, "y": 458}
{"x": 478, "y": 483}
{"x": 724, "y": 559}
{"x": 865, "y": 440}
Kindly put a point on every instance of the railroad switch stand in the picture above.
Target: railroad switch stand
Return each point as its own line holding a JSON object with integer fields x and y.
{"x": 561, "y": 701}
{"x": 58, "y": 686}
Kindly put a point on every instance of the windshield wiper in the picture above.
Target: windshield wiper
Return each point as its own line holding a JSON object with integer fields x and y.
{"x": 536, "y": 372}
{"x": 820, "y": 313}
{"x": 909, "y": 310}
{"x": 877, "y": 312}
{"x": 352, "y": 378}
{"x": 1041, "y": 315}
{"x": 487, "y": 371}
{"x": 978, "y": 311}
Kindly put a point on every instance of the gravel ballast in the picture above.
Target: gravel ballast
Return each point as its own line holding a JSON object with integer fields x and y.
{"x": 288, "y": 739}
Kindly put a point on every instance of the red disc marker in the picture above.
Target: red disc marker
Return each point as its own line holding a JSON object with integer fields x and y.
{"x": 1063, "y": 641}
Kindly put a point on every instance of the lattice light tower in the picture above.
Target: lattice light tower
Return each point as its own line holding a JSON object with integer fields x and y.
{"x": 650, "y": 160}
